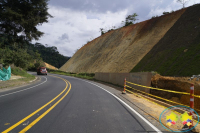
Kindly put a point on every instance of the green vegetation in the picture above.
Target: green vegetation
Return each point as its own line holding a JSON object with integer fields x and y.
{"x": 102, "y": 31}
{"x": 19, "y": 56}
{"x": 89, "y": 76}
{"x": 20, "y": 72}
{"x": 29, "y": 56}
{"x": 130, "y": 19}
{"x": 18, "y": 27}
{"x": 20, "y": 18}
{"x": 16, "y": 82}
{"x": 49, "y": 54}
{"x": 178, "y": 52}
{"x": 164, "y": 13}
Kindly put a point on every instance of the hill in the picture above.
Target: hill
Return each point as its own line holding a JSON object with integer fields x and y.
{"x": 178, "y": 52}
{"x": 139, "y": 46}
{"x": 49, "y": 54}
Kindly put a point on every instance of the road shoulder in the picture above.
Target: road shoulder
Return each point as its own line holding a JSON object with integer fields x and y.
{"x": 17, "y": 83}
{"x": 138, "y": 106}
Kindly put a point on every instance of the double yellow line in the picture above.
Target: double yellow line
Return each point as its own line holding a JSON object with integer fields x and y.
{"x": 46, "y": 112}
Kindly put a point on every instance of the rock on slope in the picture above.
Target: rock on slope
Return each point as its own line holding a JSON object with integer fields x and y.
{"x": 120, "y": 50}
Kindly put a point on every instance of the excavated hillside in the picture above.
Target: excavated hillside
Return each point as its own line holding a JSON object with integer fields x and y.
{"x": 122, "y": 49}
{"x": 178, "y": 52}
{"x": 49, "y": 66}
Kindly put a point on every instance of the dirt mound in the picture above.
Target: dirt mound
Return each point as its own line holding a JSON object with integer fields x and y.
{"x": 181, "y": 84}
{"x": 120, "y": 50}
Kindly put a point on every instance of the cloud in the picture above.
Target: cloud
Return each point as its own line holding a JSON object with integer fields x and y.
{"x": 64, "y": 37}
{"x": 96, "y": 6}
{"x": 72, "y": 29}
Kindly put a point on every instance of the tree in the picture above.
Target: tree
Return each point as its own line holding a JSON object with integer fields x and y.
{"x": 102, "y": 31}
{"x": 164, "y": 13}
{"x": 183, "y": 2}
{"x": 130, "y": 19}
{"x": 19, "y": 18}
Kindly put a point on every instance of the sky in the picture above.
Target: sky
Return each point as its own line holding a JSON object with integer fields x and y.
{"x": 75, "y": 22}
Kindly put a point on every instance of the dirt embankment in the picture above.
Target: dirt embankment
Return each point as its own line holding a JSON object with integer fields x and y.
{"x": 181, "y": 84}
{"x": 49, "y": 66}
{"x": 120, "y": 50}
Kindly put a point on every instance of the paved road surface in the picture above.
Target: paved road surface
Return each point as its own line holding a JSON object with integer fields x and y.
{"x": 66, "y": 105}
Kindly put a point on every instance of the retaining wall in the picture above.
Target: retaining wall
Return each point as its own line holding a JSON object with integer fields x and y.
{"x": 142, "y": 78}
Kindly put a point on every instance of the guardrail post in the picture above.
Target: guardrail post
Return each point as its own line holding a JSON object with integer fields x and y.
{"x": 191, "y": 101}
{"x": 124, "y": 91}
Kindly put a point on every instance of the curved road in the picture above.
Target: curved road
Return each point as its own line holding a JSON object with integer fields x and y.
{"x": 61, "y": 104}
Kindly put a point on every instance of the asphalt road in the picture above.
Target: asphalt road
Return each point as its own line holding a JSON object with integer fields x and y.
{"x": 68, "y": 105}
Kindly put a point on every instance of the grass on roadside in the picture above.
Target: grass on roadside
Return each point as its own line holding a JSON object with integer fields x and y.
{"x": 89, "y": 76}
{"x": 20, "y": 72}
{"x": 16, "y": 82}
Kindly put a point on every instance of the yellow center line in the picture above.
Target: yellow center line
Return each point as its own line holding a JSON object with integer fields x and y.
{"x": 26, "y": 118}
{"x": 46, "y": 112}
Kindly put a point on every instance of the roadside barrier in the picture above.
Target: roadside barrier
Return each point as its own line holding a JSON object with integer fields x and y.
{"x": 124, "y": 92}
{"x": 191, "y": 101}
{"x": 185, "y": 93}
{"x": 153, "y": 102}
{"x": 162, "y": 90}
{"x": 192, "y": 96}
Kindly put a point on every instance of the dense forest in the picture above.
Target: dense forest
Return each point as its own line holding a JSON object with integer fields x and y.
{"x": 49, "y": 54}
{"x": 27, "y": 55}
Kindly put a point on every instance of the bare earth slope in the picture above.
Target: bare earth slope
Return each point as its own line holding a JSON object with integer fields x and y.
{"x": 120, "y": 50}
{"x": 49, "y": 66}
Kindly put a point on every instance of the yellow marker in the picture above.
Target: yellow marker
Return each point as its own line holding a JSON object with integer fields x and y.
{"x": 169, "y": 124}
{"x": 189, "y": 124}
{"x": 7, "y": 124}
{"x": 21, "y": 121}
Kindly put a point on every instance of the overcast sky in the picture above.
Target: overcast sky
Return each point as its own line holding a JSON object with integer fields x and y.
{"x": 75, "y": 22}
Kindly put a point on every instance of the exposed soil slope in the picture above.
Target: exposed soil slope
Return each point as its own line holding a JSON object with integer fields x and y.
{"x": 178, "y": 52}
{"x": 49, "y": 66}
{"x": 120, "y": 50}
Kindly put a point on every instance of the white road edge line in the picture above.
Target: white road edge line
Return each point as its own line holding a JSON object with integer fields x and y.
{"x": 23, "y": 89}
{"x": 33, "y": 80}
{"x": 155, "y": 128}
{"x": 144, "y": 119}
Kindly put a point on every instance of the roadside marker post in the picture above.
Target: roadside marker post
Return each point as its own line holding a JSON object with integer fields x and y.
{"x": 191, "y": 101}
{"x": 124, "y": 91}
